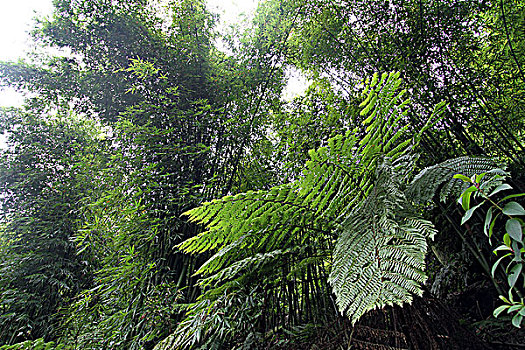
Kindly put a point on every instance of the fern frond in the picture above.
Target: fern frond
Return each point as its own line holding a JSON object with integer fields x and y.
{"x": 251, "y": 263}
{"x": 351, "y": 189}
{"x": 392, "y": 269}
{"x": 427, "y": 183}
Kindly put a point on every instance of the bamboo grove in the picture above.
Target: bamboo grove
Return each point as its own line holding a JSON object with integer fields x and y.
{"x": 160, "y": 193}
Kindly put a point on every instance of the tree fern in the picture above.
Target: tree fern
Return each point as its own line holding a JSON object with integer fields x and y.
{"x": 352, "y": 192}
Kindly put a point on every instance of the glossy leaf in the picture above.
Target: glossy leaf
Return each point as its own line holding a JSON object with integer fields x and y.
{"x": 515, "y": 308}
{"x": 500, "y": 188}
{"x": 513, "y": 208}
{"x": 495, "y": 266}
{"x": 514, "y": 229}
{"x": 462, "y": 177}
{"x": 465, "y": 199}
{"x": 492, "y": 224}
{"x": 512, "y": 196}
{"x": 514, "y": 274}
{"x": 516, "y": 320}
{"x": 468, "y": 213}
{"x": 507, "y": 240}
{"x": 500, "y": 309}
{"x": 488, "y": 221}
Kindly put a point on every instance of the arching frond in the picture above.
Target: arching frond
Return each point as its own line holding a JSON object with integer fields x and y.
{"x": 427, "y": 183}
{"x": 350, "y": 193}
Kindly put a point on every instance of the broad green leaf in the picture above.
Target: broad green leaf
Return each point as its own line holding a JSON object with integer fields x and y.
{"x": 500, "y": 173}
{"x": 515, "y": 247}
{"x": 516, "y": 320}
{"x": 511, "y": 297}
{"x": 514, "y": 229}
{"x": 500, "y": 309}
{"x": 504, "y": 299}
{"x": 471, "y": 189}
{"x": 500, "y": 188}
{"x": 497, "y": 263}
{"x": 507, "y": 240}
{"x": 492, "y": 224}
{"x": 512, "y": 196}
{"x": 480, "y": 177}
{"x": 514, "y": 274}
{"x": 514, "y": 308}
{"x": 513, "y": 208}
{"x": 465, "y": 199}
{"x": 469, "y": 213}
{"x": 462, "y": 177}
{"x": 488, "y": 220}
{"x": 501, "y": 248}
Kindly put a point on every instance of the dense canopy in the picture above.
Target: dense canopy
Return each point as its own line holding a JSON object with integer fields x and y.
{"x": 158, "y": 192}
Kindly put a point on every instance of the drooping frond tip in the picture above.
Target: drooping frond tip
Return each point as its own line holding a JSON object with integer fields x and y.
{"x": 439, "y": 178}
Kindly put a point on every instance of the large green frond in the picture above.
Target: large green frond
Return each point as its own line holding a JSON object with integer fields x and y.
{"x": 379, "y": 256}
{"x": 427, "y": 183}
{"x": 257, "y": 222}
{"x": 246, "y": 224}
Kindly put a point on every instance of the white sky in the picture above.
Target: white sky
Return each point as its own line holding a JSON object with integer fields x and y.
{"x": 231, "y": 10}
{"x": 16, "y": 21}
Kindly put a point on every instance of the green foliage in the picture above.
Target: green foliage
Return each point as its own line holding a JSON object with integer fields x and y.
{"x": 116, "y": 238}
{"x": 351, "y": 191}
{"x": 378, "y": 259}
{"x": 322, "y": 213}
{"x": 307, "y": 122}
{"x": 439, "y": 178}
{"x": 38, "y": 344}
{"x": 180, "y": 118}
{"x": 213, "y": 324}
{"x": 486, "y": 186}
{"x": 468, "y": 52}
{"x": 42, "y": 181}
